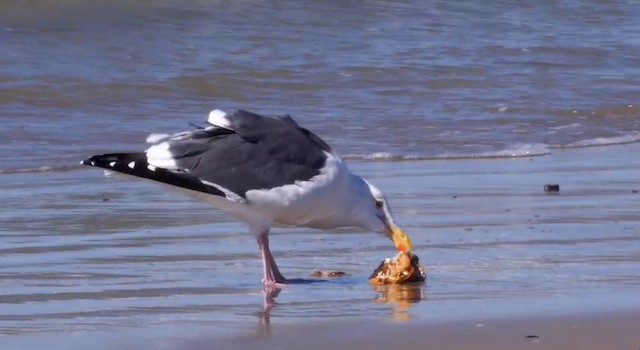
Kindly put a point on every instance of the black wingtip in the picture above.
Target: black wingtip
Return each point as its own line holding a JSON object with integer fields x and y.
{"x": 136, "y": 164}
{"x": 99, "y": 160}
{"x": 112, "y": 160}
{"x": 86, "y": 161}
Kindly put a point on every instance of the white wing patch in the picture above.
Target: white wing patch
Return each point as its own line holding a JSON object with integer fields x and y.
{"x": 159, "y": 156}
{"x": 219, "y": 118}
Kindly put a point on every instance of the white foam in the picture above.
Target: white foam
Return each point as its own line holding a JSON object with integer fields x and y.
{"x": 521, "y": 150}
{"x": 568, "y": 126}
{"x": 379, "y": 155}
{"x": 383, "y": 156}
{"x": 219, "y": 118}
{"x": 606, "y": 141}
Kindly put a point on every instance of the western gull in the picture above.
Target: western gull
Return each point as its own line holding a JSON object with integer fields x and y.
{"x": 262, "y": 171}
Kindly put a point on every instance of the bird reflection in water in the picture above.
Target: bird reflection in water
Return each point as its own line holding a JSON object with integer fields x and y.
{"x": 269, "y": 294}
{"x": 401, "y": 297}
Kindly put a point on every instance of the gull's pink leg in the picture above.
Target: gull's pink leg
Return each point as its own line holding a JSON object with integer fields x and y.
{"x": 272, "y": 275}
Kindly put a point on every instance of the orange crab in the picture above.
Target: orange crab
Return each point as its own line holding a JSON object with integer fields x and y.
{"x": 403, "y": 268}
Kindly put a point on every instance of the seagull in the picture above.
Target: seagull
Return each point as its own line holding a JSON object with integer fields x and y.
{"x": 261, "y": 171}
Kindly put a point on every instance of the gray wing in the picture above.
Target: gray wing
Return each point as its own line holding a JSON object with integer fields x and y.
{"x": 250, "y": 152}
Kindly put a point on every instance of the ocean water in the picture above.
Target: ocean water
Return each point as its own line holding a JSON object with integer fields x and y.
{"x": 378, "y": 79}
{"x": 484, "y": 103}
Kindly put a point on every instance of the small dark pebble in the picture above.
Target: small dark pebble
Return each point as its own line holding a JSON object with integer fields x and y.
{"x": 635, "y": 191}
{"x": 552, "y": 188}
{"x": 533, "y": 338}
{"x": 454, "y": 197}
{"x": 105, "y": 199}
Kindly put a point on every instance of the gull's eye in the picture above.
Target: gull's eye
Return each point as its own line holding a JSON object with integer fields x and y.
{"x": 379, "y": 204}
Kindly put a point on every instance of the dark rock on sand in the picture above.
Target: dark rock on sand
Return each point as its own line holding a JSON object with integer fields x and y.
{"x": 551, "y": 188}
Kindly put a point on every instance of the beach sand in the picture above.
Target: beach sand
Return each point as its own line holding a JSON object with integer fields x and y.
{"x": 485, "y": 103}
{"x": 508, "y": 265}
{"x": 577, "y": 331}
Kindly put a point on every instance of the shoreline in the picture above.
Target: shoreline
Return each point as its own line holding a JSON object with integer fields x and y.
{"x": 580, "y": 330}
{"x": 584, "y": 331}
{"x": 499, "y": 252}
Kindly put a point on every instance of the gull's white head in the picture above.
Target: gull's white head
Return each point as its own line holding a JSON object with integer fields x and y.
{"x": 375, "y": 215}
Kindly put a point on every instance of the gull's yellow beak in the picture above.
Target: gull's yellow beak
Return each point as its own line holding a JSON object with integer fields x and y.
{"x": 399, "y": 238}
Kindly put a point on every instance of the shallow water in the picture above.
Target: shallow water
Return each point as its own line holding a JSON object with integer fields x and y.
{"x": 470, "y": 91}
{"x": 494, "y": 244}
{"x": 379, "y": 79}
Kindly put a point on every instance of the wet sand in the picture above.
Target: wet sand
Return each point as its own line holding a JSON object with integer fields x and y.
{"x": 584, "y": 331}
{"x": 149, "y": 268}
{"x": 578, "y": 331}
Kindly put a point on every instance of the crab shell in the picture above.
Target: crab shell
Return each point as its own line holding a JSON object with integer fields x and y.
{"x": 403, "y": 268}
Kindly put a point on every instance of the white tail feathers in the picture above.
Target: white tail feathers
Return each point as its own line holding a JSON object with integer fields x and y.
{"x": 219, "y": 118}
